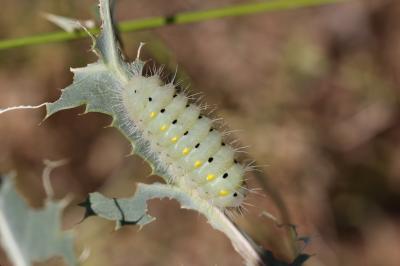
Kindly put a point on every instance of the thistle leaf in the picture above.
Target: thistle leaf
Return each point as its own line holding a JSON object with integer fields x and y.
{"x": 29, "y": 235}
{"x": 98, "y": 86}
{"x": 69, "y": 24}
{"x": 133, "y": 211}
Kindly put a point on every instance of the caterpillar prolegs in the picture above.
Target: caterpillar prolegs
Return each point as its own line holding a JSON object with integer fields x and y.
{"x": 184, "y": 140}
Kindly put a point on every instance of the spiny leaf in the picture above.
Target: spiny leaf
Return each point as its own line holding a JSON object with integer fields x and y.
{"x": 69, "y": 24}
{"x": 98, "y": 86}
{"x": 133, "y": 211}
{"x": 29, "y": 235}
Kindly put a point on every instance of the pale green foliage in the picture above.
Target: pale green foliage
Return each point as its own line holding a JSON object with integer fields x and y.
{"x": 133, "y": 210}
{"x": 29, "y": 235}
{"x": 97, "y": 86}
{"x": 69, "y": 24}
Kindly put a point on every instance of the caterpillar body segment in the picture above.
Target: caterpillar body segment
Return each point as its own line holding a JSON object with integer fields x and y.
{"x": 184, "y": 140}
{"x": 133, "y": 98}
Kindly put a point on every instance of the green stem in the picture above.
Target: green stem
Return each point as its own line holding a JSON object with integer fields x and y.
{"x": 180, "y": 18}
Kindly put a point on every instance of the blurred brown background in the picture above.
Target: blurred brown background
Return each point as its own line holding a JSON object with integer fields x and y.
{"x": 314, "y": 91}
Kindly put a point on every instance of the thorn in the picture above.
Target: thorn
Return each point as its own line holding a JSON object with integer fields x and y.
{"x": 88, "y": 208}
{"x": 139, "y": 50}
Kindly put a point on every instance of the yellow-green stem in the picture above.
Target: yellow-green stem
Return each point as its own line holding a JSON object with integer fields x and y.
{"x": 180, "y": 18}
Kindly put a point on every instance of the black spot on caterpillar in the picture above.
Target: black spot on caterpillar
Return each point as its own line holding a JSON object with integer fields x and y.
{"x": 201, "y": 160}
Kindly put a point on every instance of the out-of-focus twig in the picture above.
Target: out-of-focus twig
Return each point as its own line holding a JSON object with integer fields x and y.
{"x": 179, "y": 18}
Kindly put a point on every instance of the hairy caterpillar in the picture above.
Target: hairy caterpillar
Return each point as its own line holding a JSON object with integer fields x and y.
{"x": 184, "y": 140}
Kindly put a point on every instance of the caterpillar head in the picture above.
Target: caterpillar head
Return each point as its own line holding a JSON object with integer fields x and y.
{"x": 227, "y": 189}
{"x": 233, "y": 199}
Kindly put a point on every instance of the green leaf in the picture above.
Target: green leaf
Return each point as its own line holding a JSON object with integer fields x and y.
{"x": 133, "y": 211}
{"x": 98, "y": 86}
{"x": 29, "y": 235}
{"x": 69, "y": 24}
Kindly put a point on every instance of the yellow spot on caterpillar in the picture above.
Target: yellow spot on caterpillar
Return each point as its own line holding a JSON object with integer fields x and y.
{"x": 185, "y": 151}
{"x": 223, "y": 192}
{"x": 163, "y": 127}
{"x": 210, "y": 177}
{"x": 153, "y": 114}
{"x": 197, "y": 164}
{"x": 174, "y": 139}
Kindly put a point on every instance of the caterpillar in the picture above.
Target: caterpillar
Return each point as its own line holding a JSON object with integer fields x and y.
{"x": 184, "y": 140}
